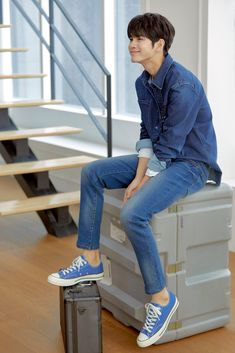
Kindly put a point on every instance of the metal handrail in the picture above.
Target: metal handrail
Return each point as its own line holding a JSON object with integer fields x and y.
{"x": 54, "y": 60}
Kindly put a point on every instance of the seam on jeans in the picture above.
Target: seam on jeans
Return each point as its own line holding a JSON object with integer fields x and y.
{"x": 162, "y": 285}
{"x": 92, "y": 219}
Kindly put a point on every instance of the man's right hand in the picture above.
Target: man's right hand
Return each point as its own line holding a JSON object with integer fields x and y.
{"x": 134, "y": 186}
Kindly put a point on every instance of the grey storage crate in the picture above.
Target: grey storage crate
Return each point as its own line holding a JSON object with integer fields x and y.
{"x": 203, "y": 278}
{"x": 192, "y": 238}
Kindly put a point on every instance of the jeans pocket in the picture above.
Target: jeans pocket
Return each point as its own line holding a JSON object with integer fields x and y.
{"x": 200, "y": 168}
{"x": 201, "y": 172}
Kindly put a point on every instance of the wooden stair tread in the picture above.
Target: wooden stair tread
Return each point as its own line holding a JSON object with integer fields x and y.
{"x": 4, "y": 26}
{"x": 29, "y": 103}
{"x": 39, "y": 166}
{"x": 49, "y": 131}
{"x": 39, "y": 203}
{"x": 6, "y": 50}
{"x": 22, "y": 76}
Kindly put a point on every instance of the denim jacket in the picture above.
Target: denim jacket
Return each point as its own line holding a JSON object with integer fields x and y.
{"x": 176, "y": 119}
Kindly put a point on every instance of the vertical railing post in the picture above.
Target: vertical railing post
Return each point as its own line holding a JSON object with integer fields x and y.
{"x": 1, "y": 11}
{"x": 109, "y": 117}
{"x": 52, "y": 48}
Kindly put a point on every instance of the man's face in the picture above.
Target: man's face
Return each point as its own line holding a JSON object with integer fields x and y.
{"x": 141, "y": 49}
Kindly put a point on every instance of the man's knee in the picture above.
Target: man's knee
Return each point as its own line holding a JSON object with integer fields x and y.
{"x": 128, "y": 217}
{"x": 89, "y": 171}
{"x": 123, "y": 217}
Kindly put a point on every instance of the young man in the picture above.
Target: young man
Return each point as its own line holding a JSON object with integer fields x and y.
{"x": 176, "y": 156}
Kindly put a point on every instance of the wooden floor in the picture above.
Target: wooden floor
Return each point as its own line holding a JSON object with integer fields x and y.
{"x": 29, "y": 306}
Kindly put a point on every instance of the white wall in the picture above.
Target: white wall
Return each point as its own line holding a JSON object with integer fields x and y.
{"x": 189, "y": 18}
{"x": 221, "y": 79}
{"x": 5, "y": 58}
{"x": 221, "y": 86}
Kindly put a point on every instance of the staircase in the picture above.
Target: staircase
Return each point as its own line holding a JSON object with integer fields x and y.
{"x": 31, "y": 174}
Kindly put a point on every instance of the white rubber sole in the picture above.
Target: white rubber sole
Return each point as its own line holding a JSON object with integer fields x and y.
{"x": 149, "y": 341}
{"x": 71, "y": 282}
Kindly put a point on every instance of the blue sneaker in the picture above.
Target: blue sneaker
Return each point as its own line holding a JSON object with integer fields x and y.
{"x": 79, "y": 271}
{"x": 157, "y": 320}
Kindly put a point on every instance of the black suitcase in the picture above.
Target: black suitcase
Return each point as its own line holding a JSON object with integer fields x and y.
{"x": 80, "y": 318}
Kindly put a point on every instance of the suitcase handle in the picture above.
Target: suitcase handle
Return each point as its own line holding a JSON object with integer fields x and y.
{"x": 76, "y": 289}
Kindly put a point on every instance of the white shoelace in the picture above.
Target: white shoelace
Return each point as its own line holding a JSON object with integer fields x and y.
{"x": 152, "y": 315}
{"x": 76, "y": 265}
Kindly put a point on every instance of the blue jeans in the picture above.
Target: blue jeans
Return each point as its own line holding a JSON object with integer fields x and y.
{"x": 181, "y": 178}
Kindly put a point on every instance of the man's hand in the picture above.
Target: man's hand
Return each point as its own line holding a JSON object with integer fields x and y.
{"x": 134, "y": 186}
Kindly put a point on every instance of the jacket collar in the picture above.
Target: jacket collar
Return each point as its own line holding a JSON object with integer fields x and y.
{"x": 160, "y": 77}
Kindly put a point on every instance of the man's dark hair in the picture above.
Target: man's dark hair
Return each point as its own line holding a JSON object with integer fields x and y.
{"x": 152, "y": 26}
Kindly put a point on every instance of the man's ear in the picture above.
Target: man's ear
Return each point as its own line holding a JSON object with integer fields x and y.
{"x": 159, "y": 45}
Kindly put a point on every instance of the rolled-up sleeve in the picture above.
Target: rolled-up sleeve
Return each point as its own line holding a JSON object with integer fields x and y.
{"x": 144, "y": 143}
{"x": 145, "y": 152}
{"x": 155, "y": 165}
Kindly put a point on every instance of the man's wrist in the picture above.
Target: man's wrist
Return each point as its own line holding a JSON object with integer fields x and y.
{"x": 139, "y": 177}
